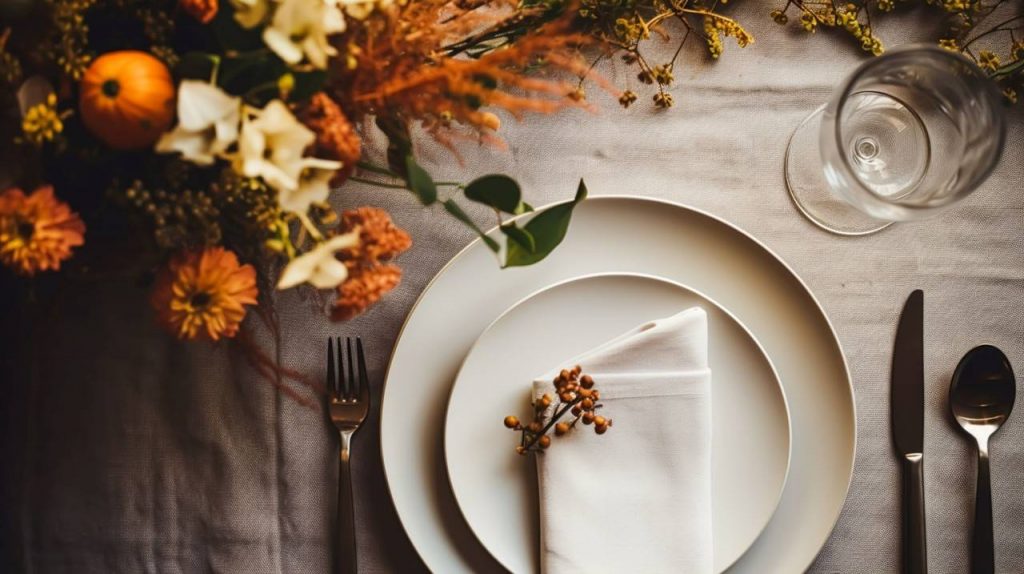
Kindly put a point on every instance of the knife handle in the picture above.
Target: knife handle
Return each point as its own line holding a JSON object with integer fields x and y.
{"x": 915, "y": 553}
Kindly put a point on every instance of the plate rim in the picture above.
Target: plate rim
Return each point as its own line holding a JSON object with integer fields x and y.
{"x": 834, "y": 341}
{"x": 637, "y": 275}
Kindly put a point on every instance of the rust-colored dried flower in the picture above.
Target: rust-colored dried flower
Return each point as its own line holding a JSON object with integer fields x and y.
{"x": 363, "y": 289}
{"x": 37, "y": 231}
{"x": 335, "y": 137}
{"x": 370, "y": 277}
{"x": 380, "y": 240}
{"x": 203, "y": 294}
{"x": 202, "y": 10}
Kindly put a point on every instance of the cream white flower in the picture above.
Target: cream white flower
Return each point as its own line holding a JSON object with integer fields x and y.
{"x": 319, "y": 267}
{"x": 207, "y": 123}
{"x": 314, "y": 185}
{"x": 360, "y": 9}
{"x": 250, "y": 13}
{"x": 299, "y": 30}
{"x": 271, "y": 146}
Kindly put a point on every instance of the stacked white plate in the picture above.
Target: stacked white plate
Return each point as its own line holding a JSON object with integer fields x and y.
{"x": 784, "y": 422}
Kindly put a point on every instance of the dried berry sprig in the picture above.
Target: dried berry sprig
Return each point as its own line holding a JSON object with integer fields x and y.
{"x": 576, "y": 396}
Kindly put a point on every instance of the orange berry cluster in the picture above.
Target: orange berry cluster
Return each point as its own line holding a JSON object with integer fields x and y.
{"x": 576, "y": 396}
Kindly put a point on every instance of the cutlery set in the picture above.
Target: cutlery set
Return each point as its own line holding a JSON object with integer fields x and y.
{"x": 981, "y": 397}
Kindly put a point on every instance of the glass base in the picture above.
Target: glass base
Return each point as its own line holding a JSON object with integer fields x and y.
{"x": 812, "y": 194}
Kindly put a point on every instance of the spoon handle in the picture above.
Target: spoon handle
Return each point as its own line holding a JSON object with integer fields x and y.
{"x": 983, "y": 560}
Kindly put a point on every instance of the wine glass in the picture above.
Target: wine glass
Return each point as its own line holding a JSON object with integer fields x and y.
{"x": 907, "y": 135}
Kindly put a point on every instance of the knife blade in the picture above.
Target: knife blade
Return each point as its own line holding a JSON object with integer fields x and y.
{"x": 907, "y": 410}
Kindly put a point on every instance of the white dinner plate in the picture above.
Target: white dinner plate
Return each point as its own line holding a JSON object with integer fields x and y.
{"x": 639, "y": 235}
{"x": 496, "y": 488}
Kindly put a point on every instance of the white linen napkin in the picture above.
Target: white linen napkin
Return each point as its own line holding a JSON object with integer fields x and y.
{"x": 637, "y": 498}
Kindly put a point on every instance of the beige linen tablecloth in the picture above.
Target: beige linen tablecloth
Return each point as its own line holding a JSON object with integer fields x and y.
{"x": 125, "y": 451}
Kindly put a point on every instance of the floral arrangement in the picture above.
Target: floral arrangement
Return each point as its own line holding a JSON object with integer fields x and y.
{"x": 202, "y": 139}
{"x": 198, "y": 142}
{"x": 577, "y": 398}
{"x": 989, "y": 32}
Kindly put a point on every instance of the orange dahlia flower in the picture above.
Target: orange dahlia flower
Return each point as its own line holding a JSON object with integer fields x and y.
{"x": 37, "y": 231}
{"x": 203, "y": 294}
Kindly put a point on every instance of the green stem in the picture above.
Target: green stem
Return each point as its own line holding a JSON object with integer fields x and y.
{"x": 367, "y": 166}
{"x": 1008, "y": 69}
{"x": 216, "y": 67}
{"x": 376, "y": 183}
{"x": 266, "y": 86}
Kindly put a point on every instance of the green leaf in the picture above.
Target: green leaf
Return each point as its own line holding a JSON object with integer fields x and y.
{"x": 521, "y": 237}
{"x": 498, "y": 191}
{"x": 228, "y": 32}
{"x": 453, "y": 208}
{"x": 420, "y": 182}
{"x": 523, "y": 208}
{"x": 548, "y": 229}
{"x": 194, "y": 66}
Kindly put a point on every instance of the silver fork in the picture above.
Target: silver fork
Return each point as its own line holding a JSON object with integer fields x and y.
{"x": 348, "y": 402}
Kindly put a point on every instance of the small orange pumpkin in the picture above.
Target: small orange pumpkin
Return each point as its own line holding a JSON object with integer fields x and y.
{"x": 127, "y": 99}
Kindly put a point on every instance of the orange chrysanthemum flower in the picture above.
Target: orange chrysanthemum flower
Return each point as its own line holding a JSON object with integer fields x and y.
{"x": 203, "y": 294}
{"x": 37, "y": 231}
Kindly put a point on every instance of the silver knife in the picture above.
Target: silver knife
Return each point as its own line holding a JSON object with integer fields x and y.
{"x": 907, "y": 403}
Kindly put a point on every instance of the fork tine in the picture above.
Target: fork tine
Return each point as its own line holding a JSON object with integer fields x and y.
{"x": 352, "y": 382}
{"x": 331, "y": 381}
{"x": 342, "y": 381}
{"x": 364, "y": 379}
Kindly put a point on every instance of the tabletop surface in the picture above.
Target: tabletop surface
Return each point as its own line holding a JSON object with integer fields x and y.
{"x": 126, "y": 451}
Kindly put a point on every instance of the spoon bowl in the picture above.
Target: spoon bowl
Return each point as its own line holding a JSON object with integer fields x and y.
{"x": 983, "y": 390}
{"x": 981, "y": 397}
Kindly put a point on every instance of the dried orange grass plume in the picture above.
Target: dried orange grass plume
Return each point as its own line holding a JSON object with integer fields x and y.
{"x": 401, "y": 67}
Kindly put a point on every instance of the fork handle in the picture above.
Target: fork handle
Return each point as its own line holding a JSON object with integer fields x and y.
{"x": 345, "y": 561}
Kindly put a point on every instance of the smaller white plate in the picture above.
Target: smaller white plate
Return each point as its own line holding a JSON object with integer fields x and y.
{"x": 496, "y": 488}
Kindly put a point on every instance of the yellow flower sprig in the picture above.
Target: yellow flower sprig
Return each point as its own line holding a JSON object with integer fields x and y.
{"x": 43, "y": 122}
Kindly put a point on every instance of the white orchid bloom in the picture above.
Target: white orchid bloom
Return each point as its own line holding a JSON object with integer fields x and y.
{"x": 314, "y": 185}
{"x": 319, "y": 267}
{"x": 271, "y": 146}
{"x": 299, "y": 30}
{"x": 207, "y": 123}
{"x": 250, "y": 13}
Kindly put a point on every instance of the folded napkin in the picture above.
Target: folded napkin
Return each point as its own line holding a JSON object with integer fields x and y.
{"x": 637, "y": 498}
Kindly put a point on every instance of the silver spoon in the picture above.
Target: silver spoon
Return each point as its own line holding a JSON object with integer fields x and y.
{"x": 981, "y": 397}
